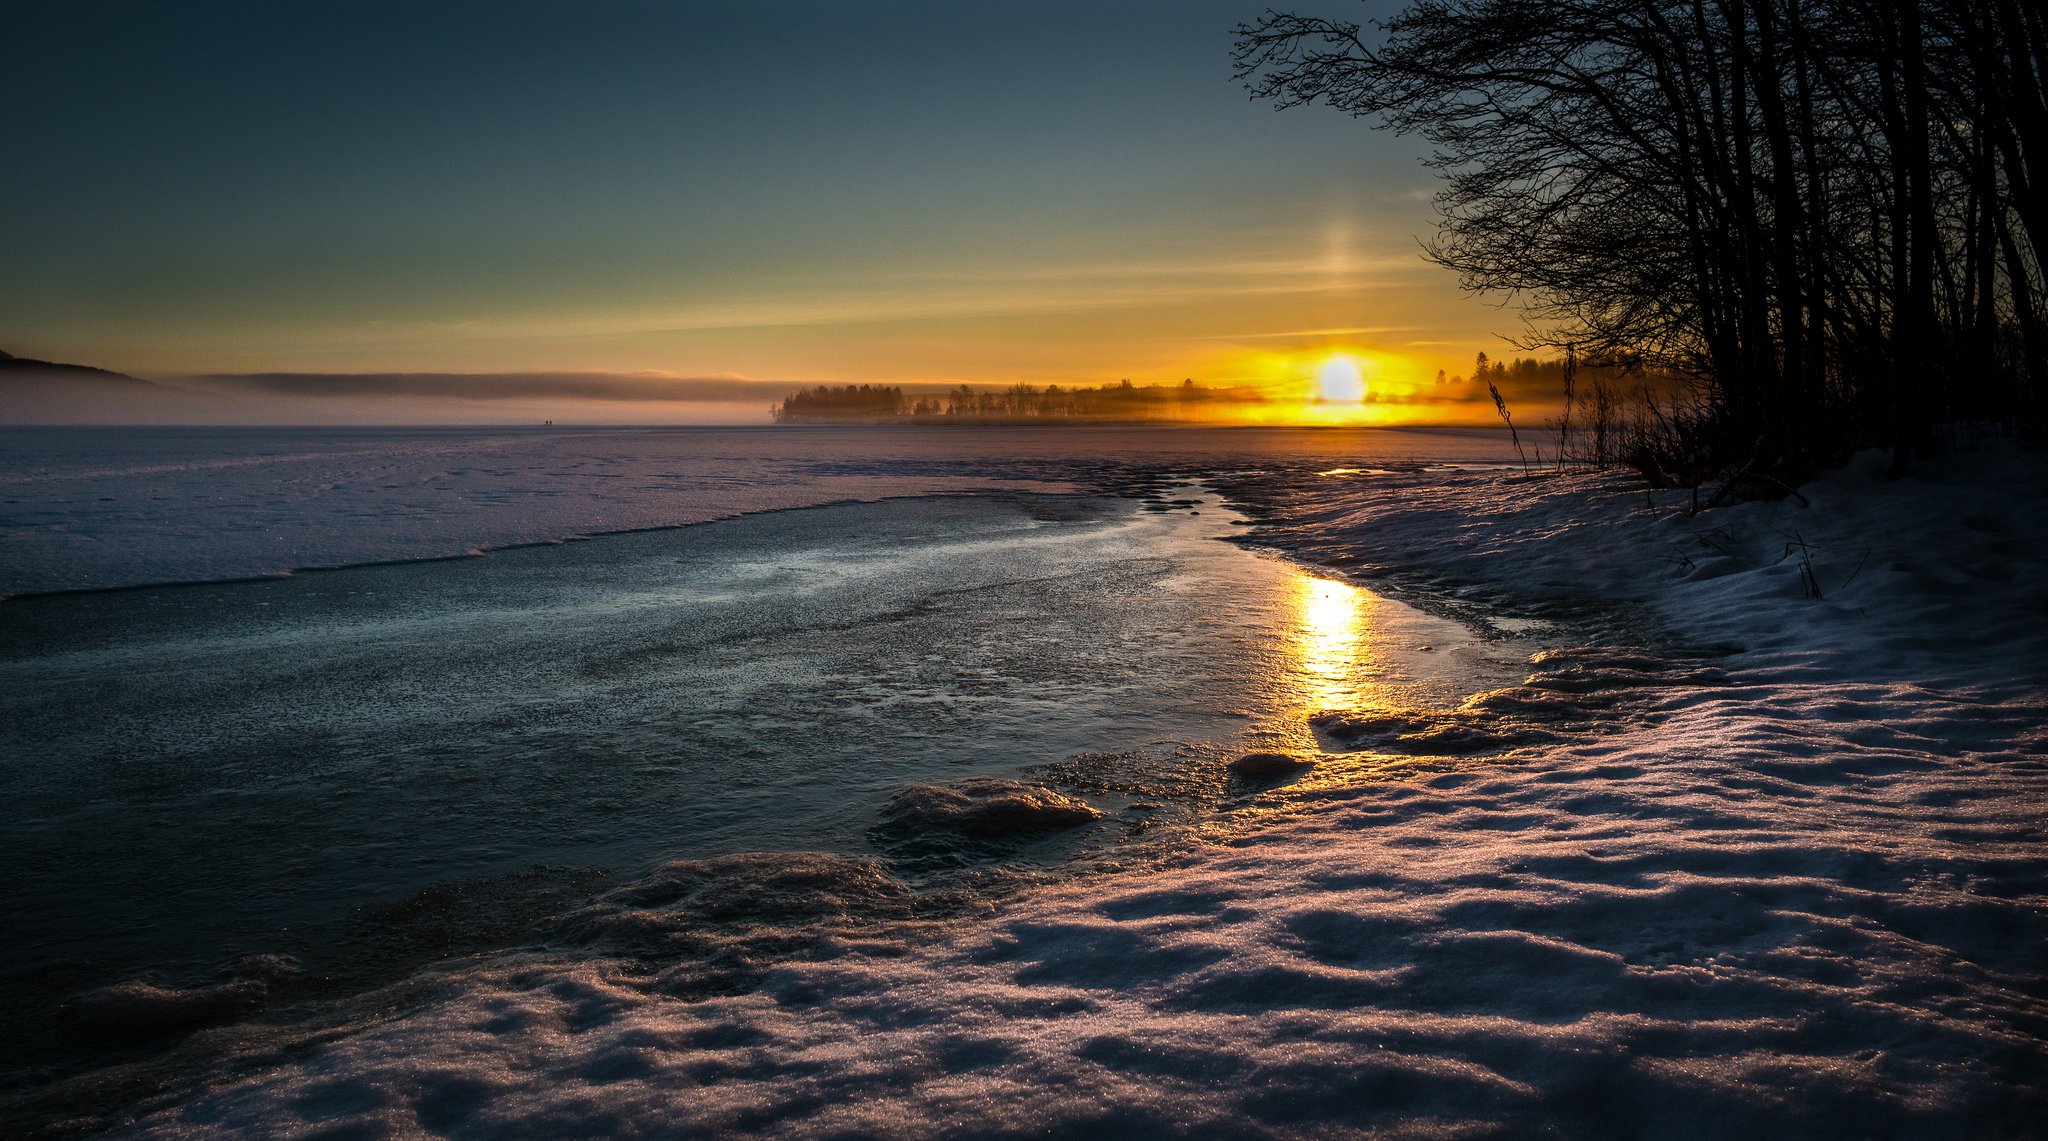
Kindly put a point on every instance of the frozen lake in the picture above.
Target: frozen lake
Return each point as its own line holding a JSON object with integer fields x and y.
{"x": 374, "y": 769}
{"x": 90, "y": 508}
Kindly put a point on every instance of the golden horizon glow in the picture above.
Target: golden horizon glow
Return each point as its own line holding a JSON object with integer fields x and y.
{"x": 1039, "y": 322}
{"x": 1336, "y": 383}
{"x": 1331, "y": 376}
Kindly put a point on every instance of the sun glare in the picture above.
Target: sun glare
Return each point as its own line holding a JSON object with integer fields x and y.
{"x": 1327, "y": 640}
{"x": 1340, "y": 381}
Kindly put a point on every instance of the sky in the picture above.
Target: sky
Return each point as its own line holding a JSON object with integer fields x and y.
{"x": 800, "y": 193}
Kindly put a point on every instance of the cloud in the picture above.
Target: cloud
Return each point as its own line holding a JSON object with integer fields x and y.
{"x": 631, "y": 387}
{"x": 1338, "y": 331}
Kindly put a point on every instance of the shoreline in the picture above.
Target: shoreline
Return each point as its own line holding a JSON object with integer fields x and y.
{"x": 1725, "y": 919}
{"x": 1108, "y": 779}
{"x": 1111, "y": 780}
{"x": 1711, "y": 914}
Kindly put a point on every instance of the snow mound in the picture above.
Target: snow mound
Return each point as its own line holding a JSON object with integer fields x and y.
{"x": 716, "y": 925}
{"x": 984, "y": 807}
{"x": 749, "y": 889}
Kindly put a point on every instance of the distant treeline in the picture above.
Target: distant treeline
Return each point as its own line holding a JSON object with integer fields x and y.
{"x": 1830, "y": 218}
{"x": 1522, "y": 372}
{"x": 1017, "y": 403}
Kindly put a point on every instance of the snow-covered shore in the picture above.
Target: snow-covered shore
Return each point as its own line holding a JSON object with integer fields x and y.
{"x": 1784, "y": 877}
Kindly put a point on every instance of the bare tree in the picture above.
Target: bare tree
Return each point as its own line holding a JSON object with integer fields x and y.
{"x": 1828, "y": 216}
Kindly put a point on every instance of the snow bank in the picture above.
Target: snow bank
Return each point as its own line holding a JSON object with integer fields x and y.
{"x": 1903, "y": 571}
{"x": 1798, "y": 891}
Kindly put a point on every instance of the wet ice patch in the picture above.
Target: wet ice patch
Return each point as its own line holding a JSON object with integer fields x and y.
{"x": 719, "y": 926}
{"x": 1455, "y": 733}
{"x": 678, "y": 900}
{"x": 138, "y": 1009}
{"x": 1571, "y": 691}
{"x": 984, "y": 808}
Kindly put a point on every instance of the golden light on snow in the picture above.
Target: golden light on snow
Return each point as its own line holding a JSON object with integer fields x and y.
{"x": 1340, "y": 380}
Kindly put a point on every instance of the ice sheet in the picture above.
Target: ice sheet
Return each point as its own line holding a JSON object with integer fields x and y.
{"x": 86, "y": 508}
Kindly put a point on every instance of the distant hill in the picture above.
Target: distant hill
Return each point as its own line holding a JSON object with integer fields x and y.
{"x": 50, "y": 392}
{"x": 11, "y": 366}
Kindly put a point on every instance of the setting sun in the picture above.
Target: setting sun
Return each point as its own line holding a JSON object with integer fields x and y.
{"x": 1340, "y": 381}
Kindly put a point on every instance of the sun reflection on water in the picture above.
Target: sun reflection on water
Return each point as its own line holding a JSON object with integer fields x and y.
{"x": 1330, "y": 627}
{"x": 1393, "y": 679}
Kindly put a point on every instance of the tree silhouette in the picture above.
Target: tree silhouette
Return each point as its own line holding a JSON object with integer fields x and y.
{"x": 1827, "y": 216}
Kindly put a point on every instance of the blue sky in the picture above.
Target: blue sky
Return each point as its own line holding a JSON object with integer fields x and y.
{"x": 799, "y": 191}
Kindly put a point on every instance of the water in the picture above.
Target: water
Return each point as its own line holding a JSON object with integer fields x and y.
{"x": 377, "y": 768}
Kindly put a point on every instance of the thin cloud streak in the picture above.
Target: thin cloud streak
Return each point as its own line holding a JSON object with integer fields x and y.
{"x": 942, "y": 297}
{"x": 1341, "y": 331}
{"x": 634, "y": 387}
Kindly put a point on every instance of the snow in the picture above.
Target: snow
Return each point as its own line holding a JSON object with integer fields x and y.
{"x": 1773, "y": 868}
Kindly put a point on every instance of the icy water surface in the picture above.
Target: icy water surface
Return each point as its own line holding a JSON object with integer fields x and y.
{"x": 374, "y": 768}
{"x": 88, "y": 508}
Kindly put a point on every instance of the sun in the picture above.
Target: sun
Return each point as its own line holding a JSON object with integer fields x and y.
{"x": 1340, "y": 381}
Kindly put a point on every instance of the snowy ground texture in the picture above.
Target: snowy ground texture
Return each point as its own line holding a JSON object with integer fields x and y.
{"x": 1793, "y": 886}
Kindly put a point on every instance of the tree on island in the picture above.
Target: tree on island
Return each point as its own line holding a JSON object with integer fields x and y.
{"x": 1016, "y": 403}
{"x": 851, "y": 402}
{"x": 1827, "y": 219}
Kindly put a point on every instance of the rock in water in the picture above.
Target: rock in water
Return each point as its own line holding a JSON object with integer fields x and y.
{"x": 1261, "y": 765}
{"x": 985, "y": 806}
